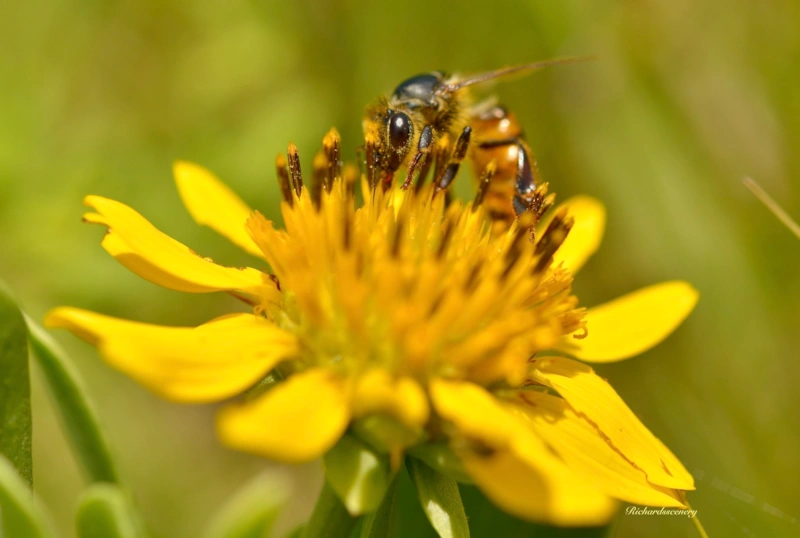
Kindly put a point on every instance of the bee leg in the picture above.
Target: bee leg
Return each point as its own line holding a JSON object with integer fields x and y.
{"x": 423, "y": 149}
{"x": 525, "y": 180}
{"x": 460, "y": 151}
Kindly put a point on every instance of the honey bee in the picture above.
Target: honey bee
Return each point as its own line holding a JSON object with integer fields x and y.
{"x": 432, "y": 117}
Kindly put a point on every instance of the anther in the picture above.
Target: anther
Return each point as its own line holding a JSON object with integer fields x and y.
{"x": 447, "y": 235}
{"x": 441, "y": 152}
{"x": 483, "y": 185}
{"x": 460, "y": 151}
{"x": 350, "y": 175}
{"x": 347, "y": 225}
{"x": 552, "y": 238}
{"x": 427, "y": 162}
{"x": 283, "y": 178}
{"x": 294, "y": 169}
{"x": 472, "y": 279}
{"x": 318, "y": 177}
{"x": 331, "y": 143}
{"x": 515, "y": 248}
{"x": 372, "y": 162}
{"x": 398, "y": 237}
{"x": 447, "y": 178}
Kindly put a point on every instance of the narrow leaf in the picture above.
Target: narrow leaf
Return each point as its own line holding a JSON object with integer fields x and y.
{"x": 252, "y": 510}
{"x": 329, "y": 518}
{"x": 440, "y": 500}
{"x": 378, "y": 524}
{"x": 76, "y": 411}
{"x": 20, "y": 516}
{"x": 105, "y": 511}
{"x": 15, "y": 389}
{"x": 357, "y": 474}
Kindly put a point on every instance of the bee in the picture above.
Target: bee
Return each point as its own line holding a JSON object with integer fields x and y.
{"x": 426, "y": 113}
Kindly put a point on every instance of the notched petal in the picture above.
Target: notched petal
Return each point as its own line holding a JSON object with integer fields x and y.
{"x": 592, "y": 398}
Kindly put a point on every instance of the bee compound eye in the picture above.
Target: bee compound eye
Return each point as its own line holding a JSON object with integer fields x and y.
{"x": 399, "y": 131}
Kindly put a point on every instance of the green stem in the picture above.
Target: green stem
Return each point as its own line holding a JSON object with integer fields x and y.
{"x": 695, "y": 520}
{"x": 699, "y": 527}
{"x": 330, "y": 518}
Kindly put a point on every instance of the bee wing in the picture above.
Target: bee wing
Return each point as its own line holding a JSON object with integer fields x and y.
{"x": 504, "y": 71}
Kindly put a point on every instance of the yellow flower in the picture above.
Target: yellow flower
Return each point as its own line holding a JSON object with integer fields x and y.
{"x": 409, "y": 320}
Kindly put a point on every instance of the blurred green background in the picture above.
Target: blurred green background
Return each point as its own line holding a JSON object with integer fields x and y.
{"x": 685, "y": 99}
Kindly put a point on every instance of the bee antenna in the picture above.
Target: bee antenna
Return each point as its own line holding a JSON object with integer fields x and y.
{"x": 483, "y": 77}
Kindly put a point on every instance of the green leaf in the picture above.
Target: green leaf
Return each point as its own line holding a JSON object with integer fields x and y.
{"x": 330, "y": 518}
{"x": 20, "y": 516}
{"x": 252, "y": 510}
{"x": 357, "y": 474}
{"x": 77, "y": 414}
{"x": 378, "y": 524}
{"x": 440, "y": 500}
{"x": 105, "y": 511}
{"x": 15, "y": 388}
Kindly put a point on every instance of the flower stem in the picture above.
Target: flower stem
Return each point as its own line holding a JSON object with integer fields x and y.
{"x": 696, "y": 521}
{"x": 329, "y": 518}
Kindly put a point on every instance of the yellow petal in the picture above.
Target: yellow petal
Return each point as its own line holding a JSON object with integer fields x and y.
{"x": 298, "y": 420}
{"x": 586, "y": 234}
{"x": 536, "y": 493}
{"x": 521, "y": 475}
{"x": 592, "y": 397}
{"x": 378, "y": 392}
{"x": 587, "y": 452}
{"x": 211, "y": 203}
{"x": 153, "y": 255}
{"x": 208, "y": 363}
{"x": 633, "y": 323}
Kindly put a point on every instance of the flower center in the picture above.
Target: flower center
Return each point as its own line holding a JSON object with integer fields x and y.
{"x": 410, "y": 282}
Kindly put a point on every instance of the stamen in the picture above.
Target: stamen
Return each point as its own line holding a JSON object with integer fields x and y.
{"x": 347, "y": 224}
{"x": 294, "y": 169}
{"x": 283, "y": 179}
{"x": 485, "y": 181}
{"x": 540, "y": 201}
{"x": 447, "y": 178}
{"x": 332, "y": 146}
{"x": 398, "y": 237}
{"x": 350, "y": 175}
{"x": 522, "y": 234}
{"x": 373, "y": 160}
{"x": 320, "y": 170}
{"x": 442, "y": 152}
{"x": 472, "y": 278}
{"x": 447, "y": 234}
{"x": 425, "y": 169}
{"x": 553, "y": 237}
